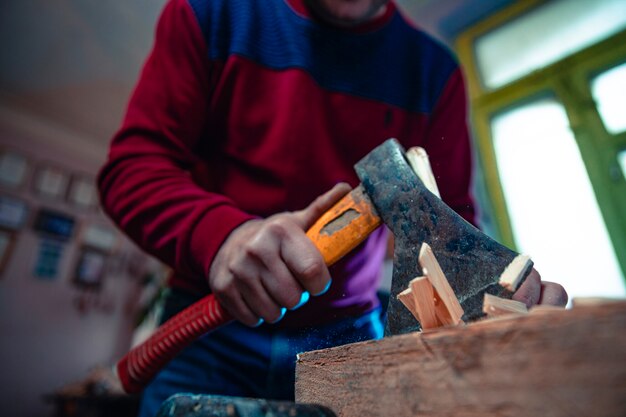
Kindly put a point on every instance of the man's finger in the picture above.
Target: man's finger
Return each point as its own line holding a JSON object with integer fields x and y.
{"x": 307, "y": 217}
{"x": 305, "y": 262}
{"x": 248, "y": 283}
{"x": 553, "y": 294}
{"x": 237, "y": 307}
{"x": 281, "y": 285}
{"x": 530, "y": 291}
{"x": 262, "y": 304}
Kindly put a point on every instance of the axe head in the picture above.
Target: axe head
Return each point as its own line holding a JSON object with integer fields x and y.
{"x": 471, "y": 260}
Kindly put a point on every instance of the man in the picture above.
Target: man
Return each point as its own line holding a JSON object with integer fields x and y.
{"x": 244, "y": 113}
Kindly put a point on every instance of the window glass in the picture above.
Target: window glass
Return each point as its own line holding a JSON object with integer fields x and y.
{"x": 609, "y": 93}
{"x": 621, "y": 157}
{"x": 554, "y": 213}
{"x": 545, "y": 35}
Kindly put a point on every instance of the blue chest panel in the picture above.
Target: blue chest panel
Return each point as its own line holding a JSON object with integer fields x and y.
{"x": 395, "y": 64}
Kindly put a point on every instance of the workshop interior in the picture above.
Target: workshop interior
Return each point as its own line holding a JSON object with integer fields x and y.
{"x": 546, "y": 87}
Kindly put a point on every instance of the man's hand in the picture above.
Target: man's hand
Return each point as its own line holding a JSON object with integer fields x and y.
{"x": 267, "y": 266}
{"x": 533, "y": 291}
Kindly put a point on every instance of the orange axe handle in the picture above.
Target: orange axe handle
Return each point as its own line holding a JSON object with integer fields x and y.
{"x": 336, "y": 233}
{"x": 344, "y": 226}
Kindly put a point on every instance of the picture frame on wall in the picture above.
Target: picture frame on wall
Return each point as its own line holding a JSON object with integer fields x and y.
{"x": 90, "y": 268}
{"x": 56, "y": 224}
{"x": 50, "y": 253}
{"x": 7, "y": 240}
{"x": 99, "y": 236}
{"x": 13, "y": 168}
{"x": 13, "y": 212}
{"x": 82, "y": 192}
{"x": 51, "y": 181}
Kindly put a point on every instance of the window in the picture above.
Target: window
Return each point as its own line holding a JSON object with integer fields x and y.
{"x": 545, "y": 35}
{"x": 554, "y": 213}
{"x": 609, "y": 92}
{"x": 552, "y": 145}
{"x": 621, "y": 157}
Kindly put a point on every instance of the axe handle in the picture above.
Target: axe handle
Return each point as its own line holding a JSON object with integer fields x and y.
{"x": 344, "y": 226}
{"x": 335, "y": 234}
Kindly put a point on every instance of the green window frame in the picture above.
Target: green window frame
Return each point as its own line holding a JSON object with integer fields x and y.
{"x": 569, "y": 80}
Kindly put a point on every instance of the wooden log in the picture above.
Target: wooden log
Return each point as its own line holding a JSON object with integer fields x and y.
{"x": 556, "y": 364}
{"x": 586, "y": 301}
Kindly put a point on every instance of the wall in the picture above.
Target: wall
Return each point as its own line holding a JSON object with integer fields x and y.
{"x": 53, "y": 331}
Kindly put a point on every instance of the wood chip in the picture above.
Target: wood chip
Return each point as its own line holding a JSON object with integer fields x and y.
{"x": 514, "y": 272}
{"x": 545, "y": 309}
{"x": 495, "y": 306}
{"x": 406, "y": 298}
{"x": 418, "y": 159}
{"x": 424, "y": 299}
{"x": 449, "y": 310}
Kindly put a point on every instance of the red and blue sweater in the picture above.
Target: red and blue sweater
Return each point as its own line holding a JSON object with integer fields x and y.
{"x": 246, "y": 108}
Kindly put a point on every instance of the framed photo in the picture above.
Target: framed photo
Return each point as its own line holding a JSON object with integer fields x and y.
{"x": 50, "y": 253}
{"x": 13, "y": 168}
{"x": 13, "y": 212}
{"x": 7, "y": 239}
{"x": 82, "y": 192}
{"x": 51, "y": 182}
{"x": 89, "y": 271}
{"x": 99, "y": 237}
{"x": 55, "y": 224}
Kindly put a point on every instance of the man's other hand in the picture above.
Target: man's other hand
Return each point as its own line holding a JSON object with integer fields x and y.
{"x": 534, "y": 291}
{"x": 267, "y": 266}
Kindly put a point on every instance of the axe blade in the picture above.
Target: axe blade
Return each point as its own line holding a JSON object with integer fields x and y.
{"x": 472, "y": 261}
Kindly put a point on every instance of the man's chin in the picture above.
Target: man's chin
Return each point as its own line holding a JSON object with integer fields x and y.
{"x": 349, "y": 15}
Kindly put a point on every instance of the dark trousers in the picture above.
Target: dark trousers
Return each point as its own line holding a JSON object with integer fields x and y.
{"x": 237, "y": 360}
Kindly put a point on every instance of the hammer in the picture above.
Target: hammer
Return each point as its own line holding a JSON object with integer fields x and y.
{"x": 390, "y": 192}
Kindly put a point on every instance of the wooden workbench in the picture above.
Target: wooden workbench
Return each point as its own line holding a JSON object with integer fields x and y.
{"x": 547, "y": 363}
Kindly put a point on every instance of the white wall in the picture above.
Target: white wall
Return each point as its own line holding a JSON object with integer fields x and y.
{"x": 46, "y": 340}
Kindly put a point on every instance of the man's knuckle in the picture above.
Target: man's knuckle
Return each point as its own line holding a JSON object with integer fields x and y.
{"x": 252, "y": 249}
{"x": 234, "y": 269}
{"x": 277, "y": 227}
{"x": 220, "y": 285}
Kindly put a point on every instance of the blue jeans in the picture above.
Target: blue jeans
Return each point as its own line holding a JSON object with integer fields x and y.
{"x": 237, "y": 360}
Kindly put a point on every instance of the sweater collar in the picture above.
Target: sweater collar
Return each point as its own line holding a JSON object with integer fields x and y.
{"x": 300, "y": 8}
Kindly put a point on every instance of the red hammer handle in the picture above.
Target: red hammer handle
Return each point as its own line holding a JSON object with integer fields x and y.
{"x": 143, "y": 362}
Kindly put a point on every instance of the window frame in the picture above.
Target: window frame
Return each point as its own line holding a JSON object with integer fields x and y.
{"x": 569, "y": 81}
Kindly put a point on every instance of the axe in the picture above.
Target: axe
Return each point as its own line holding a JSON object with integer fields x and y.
{"x": 391, "y": 193}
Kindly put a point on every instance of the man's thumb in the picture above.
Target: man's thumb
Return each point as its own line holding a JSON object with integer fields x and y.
{"x": 321, "y": 205}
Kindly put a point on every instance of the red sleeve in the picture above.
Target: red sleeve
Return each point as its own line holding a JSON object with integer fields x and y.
{"x": 449, "y": 149}
{"x": 145, "y": 185}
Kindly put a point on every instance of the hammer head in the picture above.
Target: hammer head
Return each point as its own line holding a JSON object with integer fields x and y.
{"x": 471, "y": 260}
